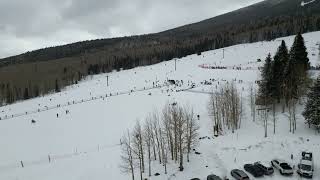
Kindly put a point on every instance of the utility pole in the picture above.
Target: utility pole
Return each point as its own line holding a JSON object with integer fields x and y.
{"x": 107, "y": 80}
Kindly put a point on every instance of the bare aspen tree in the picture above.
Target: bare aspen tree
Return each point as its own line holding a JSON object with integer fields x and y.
{"x": 211, "y": 109}
{"x": 225, "y": 106}
{"x": 177, "y": 125}
{"x": 153, "y": 142}
{"x": 181, "y": 129}
{"x": 164, "y": 150}
{"x": 240, "y": 111}
{"x": 148, "y": 140}
{"x": 219, "y": 114}
{"x": 138, "y": 147}
{"x": 167, "y": 121}
{"x": 191, "y": 131}
{"x": 156, "y": 127}
{"x": 218, "y": 110}
{"x": 176, "y": 134}
{"x": 234, "y": 102}
{"x": 127, "y": 161}
{"x": 175, "y": 120}
{"x": 253, "y": 102}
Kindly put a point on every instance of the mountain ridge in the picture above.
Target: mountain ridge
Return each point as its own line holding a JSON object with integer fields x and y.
{"x": 213, "y": 22}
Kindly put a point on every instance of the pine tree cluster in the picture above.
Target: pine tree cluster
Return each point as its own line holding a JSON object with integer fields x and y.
{"x": 312, "y": 109}
{"x": 283, "y": 76}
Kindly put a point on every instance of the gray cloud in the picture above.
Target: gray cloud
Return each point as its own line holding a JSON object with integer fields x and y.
{"x": 33, "y": 24}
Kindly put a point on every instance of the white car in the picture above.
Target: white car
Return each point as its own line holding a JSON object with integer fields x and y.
{"x": 306, "y": 167}
{"x": 282, "y": 166}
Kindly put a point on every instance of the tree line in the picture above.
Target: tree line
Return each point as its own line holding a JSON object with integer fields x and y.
{"x": 284, "y": 78}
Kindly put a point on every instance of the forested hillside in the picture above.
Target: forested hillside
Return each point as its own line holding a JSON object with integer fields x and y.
{"x": 38, "y": 72}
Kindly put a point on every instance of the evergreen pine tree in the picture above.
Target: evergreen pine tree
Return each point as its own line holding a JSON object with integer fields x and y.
{"x": 299, "y": 54}
{"x": 290, "y": 80}
{"x": 312, "y": 110}
{"x": 266, "y": 78}
{"x": 296, "y": 70}
{"x": 280, "y": 62}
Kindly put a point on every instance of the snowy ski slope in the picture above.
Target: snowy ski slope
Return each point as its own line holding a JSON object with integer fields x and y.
{"x": 84, "y": 144}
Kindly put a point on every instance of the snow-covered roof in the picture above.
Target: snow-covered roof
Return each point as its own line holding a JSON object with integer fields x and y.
{"x": 306, "y": 162}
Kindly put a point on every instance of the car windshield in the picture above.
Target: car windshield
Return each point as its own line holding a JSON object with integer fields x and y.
{"x": 243, "y": 175}
{"x": 285, "y": 166}
{"x": 305, "y": 167}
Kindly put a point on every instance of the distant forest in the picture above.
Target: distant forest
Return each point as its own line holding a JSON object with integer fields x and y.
{"x": 48, "y": 70}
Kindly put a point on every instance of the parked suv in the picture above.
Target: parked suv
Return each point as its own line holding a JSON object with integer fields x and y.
{"x": 253, "y": 169}
{"x": 266, "y": 169}
{"x": 306, "y": 167}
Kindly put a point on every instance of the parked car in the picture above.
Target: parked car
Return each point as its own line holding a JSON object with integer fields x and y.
{"x": 266, "y": 170}
{"x": 282, "y": 166}
{"x": 306, "y": 167}
{"x": 239, "y": 174}
{"x": 253, "y": 169}
{"x": 213, "y": 177}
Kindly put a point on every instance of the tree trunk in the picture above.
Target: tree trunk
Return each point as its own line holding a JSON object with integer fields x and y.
{"x": 149, "y": 159}
{"x": 274, "y": 117}
{"x": 181, "y": 155}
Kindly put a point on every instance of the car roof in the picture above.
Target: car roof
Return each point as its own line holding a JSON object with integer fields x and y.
{"x": 306, "y": 162}
{"x": 264, "y": 164}
{"x": 240, "y": 172}
{"x": 214, "y": 177}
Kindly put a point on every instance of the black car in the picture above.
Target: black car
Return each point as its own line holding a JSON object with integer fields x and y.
{"x": 265, "y": 169}
{"x": 213, "y": 177}
{"x": 254, "y": 170}
{"x": 239, "y": 174}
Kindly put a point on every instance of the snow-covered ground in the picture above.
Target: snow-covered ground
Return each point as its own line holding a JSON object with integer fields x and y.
{"x": 84, "y": 144}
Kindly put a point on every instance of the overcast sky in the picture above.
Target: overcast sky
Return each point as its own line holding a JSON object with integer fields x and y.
{"x": 31, "y": 24}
